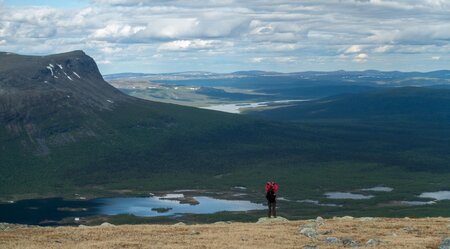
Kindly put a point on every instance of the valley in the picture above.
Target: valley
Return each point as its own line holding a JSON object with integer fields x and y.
{"x": 85, "y": 145}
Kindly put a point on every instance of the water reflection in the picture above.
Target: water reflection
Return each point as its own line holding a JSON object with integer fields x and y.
{"x": 153, "y": 206}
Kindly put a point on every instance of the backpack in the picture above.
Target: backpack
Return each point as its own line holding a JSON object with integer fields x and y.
{"x": 270, "y": 195}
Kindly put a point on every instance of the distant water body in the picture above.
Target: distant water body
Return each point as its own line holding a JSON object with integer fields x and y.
{"x": 147, "y": 207}
{"x": 237, "y": 108}
{"x": 51, "y": 211}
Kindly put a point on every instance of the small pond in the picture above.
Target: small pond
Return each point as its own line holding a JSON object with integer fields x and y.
{"x": 347, "y": 195}
{"x": 438, "y": 195}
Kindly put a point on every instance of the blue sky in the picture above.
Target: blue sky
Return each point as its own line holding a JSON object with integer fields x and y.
{"x": 51, "y": 3}
{"x": 230, "y": 35}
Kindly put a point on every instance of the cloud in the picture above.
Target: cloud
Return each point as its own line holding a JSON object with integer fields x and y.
{"x": 353, "y": 49}
{"x": 229, "y": 34}
{"x": 436, "y": 58}
{"x": 192, "y": 44}
{"x": 257, "y": 59}
{"x": 114, "y": 30}
{"x": 382, "y": 49}
{"x": 278, "y": 59}
{"x": 360, "y": 58}
{"x": 103, "y": 62}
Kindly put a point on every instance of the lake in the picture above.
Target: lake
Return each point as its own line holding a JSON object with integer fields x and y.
{"x": 50, "y": 211}
{"x": 237, "y": 108}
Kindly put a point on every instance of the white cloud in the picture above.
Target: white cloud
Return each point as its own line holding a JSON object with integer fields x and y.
{"x": 382, "y": 49}
{"x": 360, "y": 58}
{"x": 257, "y": 60}
{"x": 115, "y": 30}
{"x": 276, "y": 59}
{"x": 103, "y": 62}
{"x": 2, "y": 42}
{"x": 111, "y": 50}
{"x": 192, "y": 44}
{"x": 436, "y": 58}
{"x": 353, "y": 49}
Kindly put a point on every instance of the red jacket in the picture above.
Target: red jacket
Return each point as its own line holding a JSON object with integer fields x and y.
{"x": 273, "y": 185}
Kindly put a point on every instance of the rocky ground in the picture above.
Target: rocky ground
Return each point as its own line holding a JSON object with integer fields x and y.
{"x": 274, "y": 233}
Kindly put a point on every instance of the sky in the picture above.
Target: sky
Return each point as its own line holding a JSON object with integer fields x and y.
{"x": 157, "y": 36}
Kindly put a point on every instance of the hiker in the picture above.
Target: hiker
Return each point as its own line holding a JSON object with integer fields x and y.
{"x": 271, "y": 190}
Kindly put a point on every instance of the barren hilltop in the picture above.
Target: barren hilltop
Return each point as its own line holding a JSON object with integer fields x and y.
{"x": 273, "y": 233}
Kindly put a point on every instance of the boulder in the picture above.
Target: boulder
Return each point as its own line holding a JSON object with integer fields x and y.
{"x": 4, "y": 226}
{"x": 445, "y": 244}
{"x": 319, "y": 221}
{"x": 309, "y": 232}
{"x": 179, "y": 224}
{"x": 265, "y": 220}
{"x": 333, "y": 240}
{"x": 373, "y": 242}
{"x": 348, "y": 242}
{"x": 106, "y": 224}
{"x": 310, "y": 247}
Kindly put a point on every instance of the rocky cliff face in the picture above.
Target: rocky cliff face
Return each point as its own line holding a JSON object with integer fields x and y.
{"x": 52, "y": 99}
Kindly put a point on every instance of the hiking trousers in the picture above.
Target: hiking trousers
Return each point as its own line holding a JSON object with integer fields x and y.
{"x": 272, "y": 209}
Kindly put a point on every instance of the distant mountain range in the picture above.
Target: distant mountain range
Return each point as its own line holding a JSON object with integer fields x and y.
{"x": 368, "y": 77}
{"x": 445, "y": 74}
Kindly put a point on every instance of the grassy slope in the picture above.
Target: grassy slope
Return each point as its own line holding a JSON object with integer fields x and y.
{"x": 147, "y": 146}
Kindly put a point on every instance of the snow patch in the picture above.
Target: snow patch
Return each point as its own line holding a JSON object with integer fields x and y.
{"x": 67, "y": 76}
{"x": 110, "y": 101}
{"x": 76, "y": 75}
{"x": 59, "y": 65}
{"x": 49, "y": 67}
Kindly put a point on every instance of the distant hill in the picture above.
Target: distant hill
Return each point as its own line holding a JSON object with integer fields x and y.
{"x": 412, "y": 103}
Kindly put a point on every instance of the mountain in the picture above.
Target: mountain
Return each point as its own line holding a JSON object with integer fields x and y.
{"x": 61, "y": 124}
{"x": 52, "y": 99}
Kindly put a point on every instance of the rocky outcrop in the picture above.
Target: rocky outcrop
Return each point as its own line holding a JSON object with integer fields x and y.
{"x": 266, "y": 220}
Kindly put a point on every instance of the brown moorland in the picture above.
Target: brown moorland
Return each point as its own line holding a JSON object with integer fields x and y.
{"x": 385, "y": 233}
